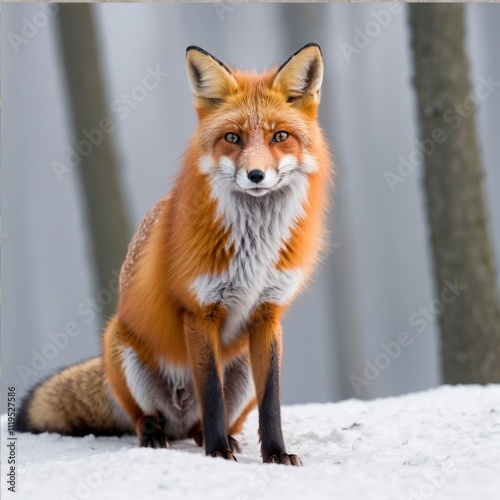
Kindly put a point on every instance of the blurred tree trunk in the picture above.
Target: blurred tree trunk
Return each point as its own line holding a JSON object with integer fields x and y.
{"x": 98, "y": 171}
{"x": 463, "y": 263}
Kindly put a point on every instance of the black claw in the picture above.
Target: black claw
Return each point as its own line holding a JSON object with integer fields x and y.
{"x": 156, "y": 439}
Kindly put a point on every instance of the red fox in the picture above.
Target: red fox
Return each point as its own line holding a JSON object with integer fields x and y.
{"x": 196, "y": 341}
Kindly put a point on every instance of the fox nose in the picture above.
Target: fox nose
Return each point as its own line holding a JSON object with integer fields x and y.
{"x": 256, "y": 176}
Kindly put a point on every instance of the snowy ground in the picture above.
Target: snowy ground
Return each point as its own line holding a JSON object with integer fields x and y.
{"x": 440, "y": 444}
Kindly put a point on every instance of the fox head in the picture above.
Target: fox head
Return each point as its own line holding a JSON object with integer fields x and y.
{"x": 257, "y": 132}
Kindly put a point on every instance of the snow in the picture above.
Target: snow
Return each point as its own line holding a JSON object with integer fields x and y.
{"x": 439, "y": 444}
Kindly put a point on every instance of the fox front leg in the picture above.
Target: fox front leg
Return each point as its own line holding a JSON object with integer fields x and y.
{"x": 203, "y": 342}
{"x": 265, "y": 355}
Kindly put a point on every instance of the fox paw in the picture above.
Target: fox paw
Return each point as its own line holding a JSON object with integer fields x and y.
{"x": 151, "y": 434}
{"x": 283, "y": 458}
{"x": 234, "y": 445}
{"x": 228, "y": 455}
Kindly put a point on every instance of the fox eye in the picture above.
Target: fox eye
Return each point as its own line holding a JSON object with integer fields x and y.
{"x": 232, "y": 138}
{"x": 280, "y": 136}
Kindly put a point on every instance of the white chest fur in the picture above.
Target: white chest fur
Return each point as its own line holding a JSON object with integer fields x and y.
{"x": 260, "y": 227}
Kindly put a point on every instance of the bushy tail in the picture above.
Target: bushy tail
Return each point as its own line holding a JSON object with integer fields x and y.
{"x": 75, "y": 401}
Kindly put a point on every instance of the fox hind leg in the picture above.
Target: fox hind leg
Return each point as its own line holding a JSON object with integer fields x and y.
{"x": 131, "y": 384}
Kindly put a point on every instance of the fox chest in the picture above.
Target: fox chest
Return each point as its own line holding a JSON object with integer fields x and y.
{"x": 258, "y": 234}
{"x": 248, "y": 283}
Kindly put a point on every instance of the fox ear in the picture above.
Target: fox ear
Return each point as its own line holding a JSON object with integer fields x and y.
{"x": 210, "y": 79}
{"x": 300, "y": 77}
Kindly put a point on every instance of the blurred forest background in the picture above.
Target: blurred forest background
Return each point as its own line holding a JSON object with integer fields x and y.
{"x": 369, "y": 324}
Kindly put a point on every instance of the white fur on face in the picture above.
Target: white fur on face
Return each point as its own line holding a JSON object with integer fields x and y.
{"x": 228, "y": 176}
{"x": 270, "y": 180}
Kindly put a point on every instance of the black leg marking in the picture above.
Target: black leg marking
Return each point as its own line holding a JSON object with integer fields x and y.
{"x": 214, "y": 419}
{"x": 273, "y": 446}
{"x": 270, "y": 412}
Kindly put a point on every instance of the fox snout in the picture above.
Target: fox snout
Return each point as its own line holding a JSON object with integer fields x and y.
{"x": 257, "y": 181}
{"x": 257, "y": 186}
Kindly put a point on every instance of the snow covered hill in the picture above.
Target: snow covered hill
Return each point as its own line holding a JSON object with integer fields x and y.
{"x": 440, "y": 444}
